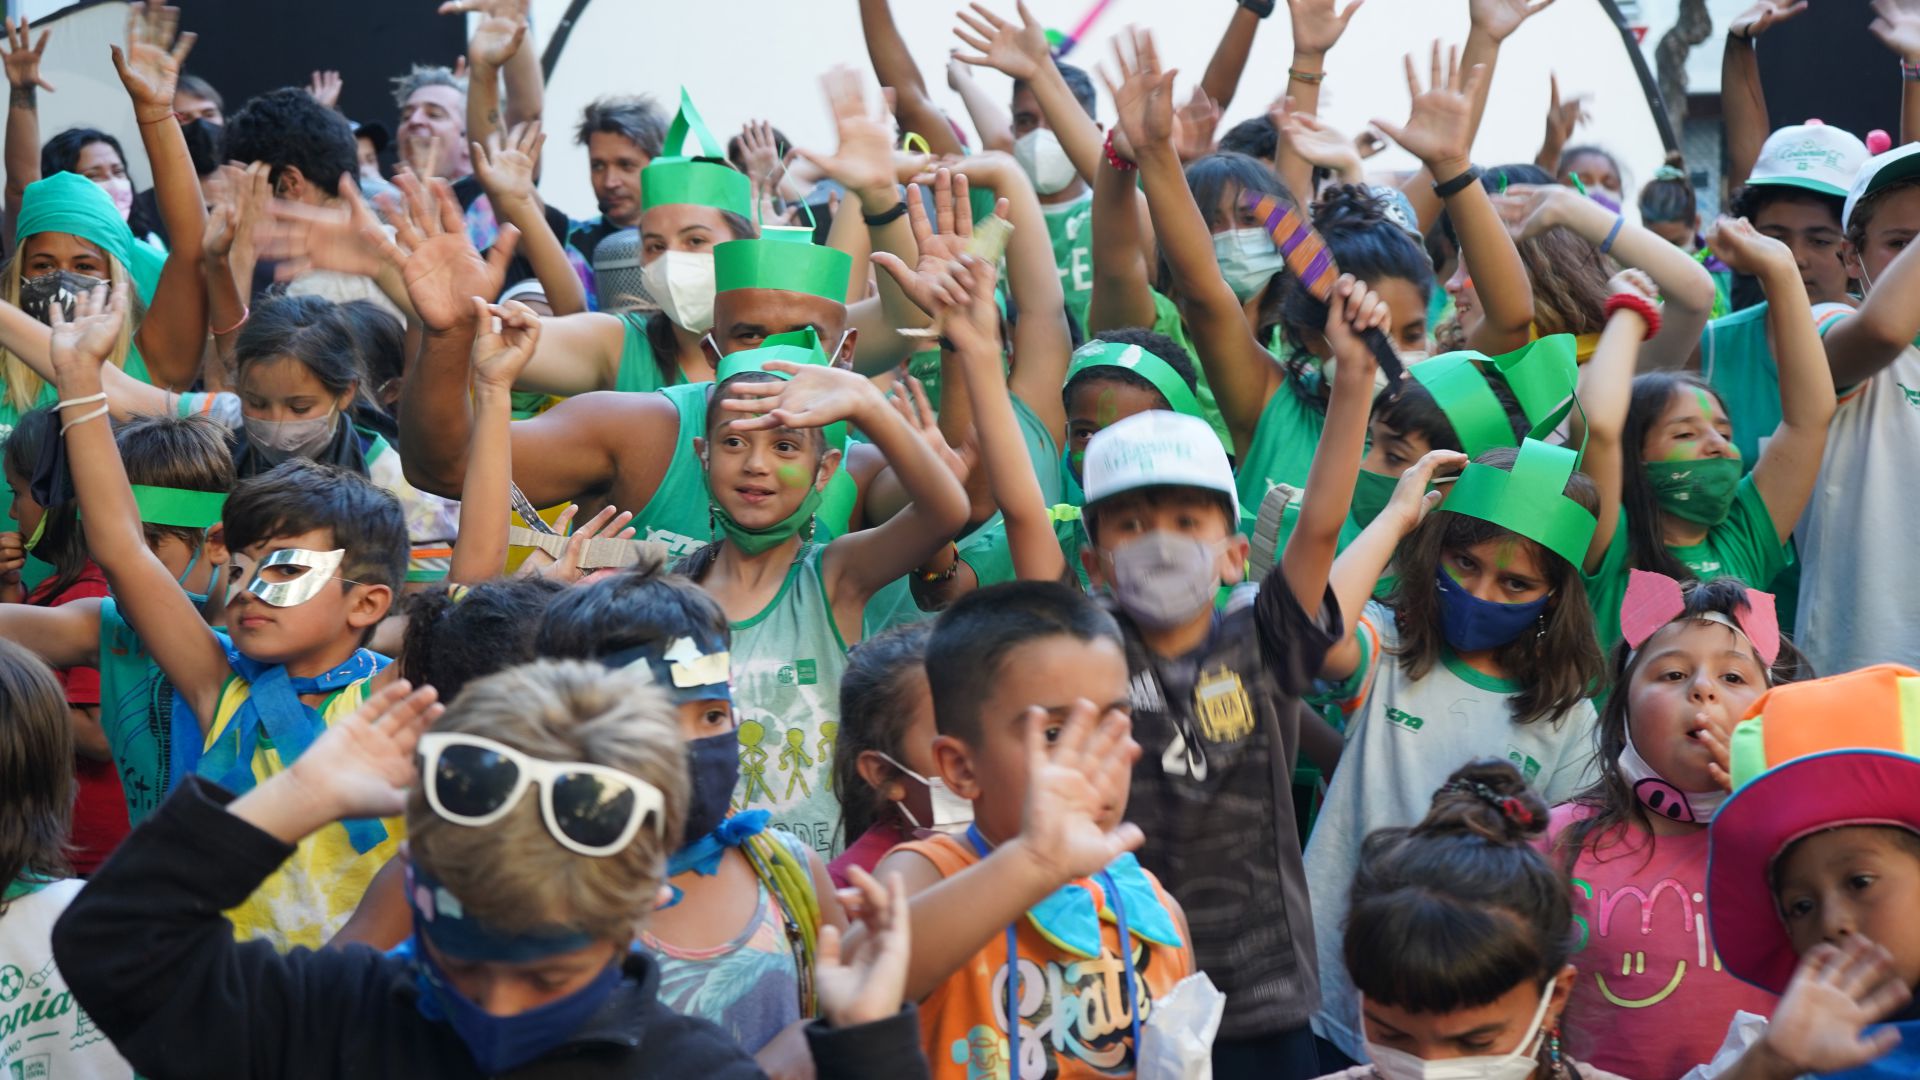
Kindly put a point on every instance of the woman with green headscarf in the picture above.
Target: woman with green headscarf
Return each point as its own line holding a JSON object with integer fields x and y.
{"x": 71, "y": 237}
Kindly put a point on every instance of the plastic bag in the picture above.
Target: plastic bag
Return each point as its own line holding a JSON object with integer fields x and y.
{"x": 1176, "y": 1043}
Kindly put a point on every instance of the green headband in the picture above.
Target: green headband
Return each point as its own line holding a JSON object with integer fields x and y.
{"x": 797, "y": 347}
{"x": 1541, "y": 375}
{"x": 1142, "y": 363}
{"x": 676, "y": 177}
{"x": 70, "y": 203}
{"x": 782, "y": 264}
{"x": 179, "y": 507}
{"x": 1531, "y": 500}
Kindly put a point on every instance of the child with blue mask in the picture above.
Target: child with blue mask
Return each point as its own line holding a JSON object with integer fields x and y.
{"x": 1485, "y": 647}
{"x": 541, "y": 808}
{"x": 744, "y": 896}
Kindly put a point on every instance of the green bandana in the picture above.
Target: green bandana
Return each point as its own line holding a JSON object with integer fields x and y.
{"x": 782, "y": 264}
{"x": 1531, "y": 500}
{"x": 1142, "y": 363}
{"x": 1700, "y": 490}
{"x": 1371, "y": 493}
{"x": 676, "y": 177}
{"x": 70, "y": 203}
{"x": 755, "y": 541}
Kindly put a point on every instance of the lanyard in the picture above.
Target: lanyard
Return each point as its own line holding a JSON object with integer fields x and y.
{"x": 982, "y": 849}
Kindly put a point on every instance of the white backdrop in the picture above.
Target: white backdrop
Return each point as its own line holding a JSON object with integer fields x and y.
{"x": 750, "y": 59}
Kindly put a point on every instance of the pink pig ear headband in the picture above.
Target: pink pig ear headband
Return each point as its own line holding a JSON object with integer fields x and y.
{"x": 1654, "y": 600}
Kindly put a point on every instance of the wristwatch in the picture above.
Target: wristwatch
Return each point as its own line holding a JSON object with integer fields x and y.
{"x": 1262, "y": 8}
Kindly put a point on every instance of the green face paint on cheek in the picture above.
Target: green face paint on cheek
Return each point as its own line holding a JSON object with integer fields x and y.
{"x": 791, "y": 475}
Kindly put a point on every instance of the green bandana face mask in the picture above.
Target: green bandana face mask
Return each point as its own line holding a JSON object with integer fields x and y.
{"x": 1700, "y": 491}
{"x": 1371, "y": 493}
{"x": 755, "y": 541}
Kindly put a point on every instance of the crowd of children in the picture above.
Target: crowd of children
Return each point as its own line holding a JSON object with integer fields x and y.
{"x": 1105, "y": 601}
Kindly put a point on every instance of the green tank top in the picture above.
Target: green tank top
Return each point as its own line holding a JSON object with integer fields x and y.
{"x": 1282, "y": 448}
{"x": 787, "y": 663}
{"x": 639, "y": 371}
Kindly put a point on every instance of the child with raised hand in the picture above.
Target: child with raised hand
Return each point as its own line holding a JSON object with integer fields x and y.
{"x": 1696, "y": 657}
{"x": 1662, "y": 447}
{"x": 322, "y": 553}
{"x": 736, "y": 944}
{"x": 1030, "y": 692}
{"x": 1813, "y": 875}
{"x": 36, "y": 754}
{"x": 541, "y": 808}
{"x": 1485, "y": 647}
{"x": 793, "y": 605}
{"x": 1459, "y": 937}
{"x": 883, "y": 768}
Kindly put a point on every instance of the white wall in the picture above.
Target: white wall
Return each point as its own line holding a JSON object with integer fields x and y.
{"x": 750, "y": 59}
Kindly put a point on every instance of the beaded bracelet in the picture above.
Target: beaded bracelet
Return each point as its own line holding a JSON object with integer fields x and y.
{"x": 1114, "y": 159}
{"x": 1640, "y": 306}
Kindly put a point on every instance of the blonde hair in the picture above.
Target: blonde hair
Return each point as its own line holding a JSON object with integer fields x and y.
{"x": 512, "y": 875}
{"x": 23, "y": 384}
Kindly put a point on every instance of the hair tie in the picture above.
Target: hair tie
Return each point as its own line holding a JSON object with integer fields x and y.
{"x": 1510, "y": 807}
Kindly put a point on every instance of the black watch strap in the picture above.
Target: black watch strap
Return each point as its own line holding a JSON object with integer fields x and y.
{"x": 1458, "y": 184}
{"x": 1262, "y": 8}
{"x": 888, "y": 216}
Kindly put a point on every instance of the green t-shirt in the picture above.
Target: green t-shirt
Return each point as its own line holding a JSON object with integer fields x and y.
{"x": 1737, "y": 359}
{"x": 1166, "y": 320}
{"x": 989, "y": 556}
{"x": 136, "y": 713}
{"x": 1282, "y": 448}
{"x": 1070, "y": 228}
{"x": 1745, "y": 546}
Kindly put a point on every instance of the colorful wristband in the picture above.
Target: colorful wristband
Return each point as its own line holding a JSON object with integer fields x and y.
{"x": 1606, "y": 246}
{"x": 1311, "y": 78}
{"x": 1114, "y": 159}
{"x": 1639, "y": 305}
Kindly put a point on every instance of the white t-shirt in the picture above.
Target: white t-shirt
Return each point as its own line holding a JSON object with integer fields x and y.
{"x": 1857, "y": 603}
{"x": 44, "y": 1033}
{"x": 1404, "y": 738}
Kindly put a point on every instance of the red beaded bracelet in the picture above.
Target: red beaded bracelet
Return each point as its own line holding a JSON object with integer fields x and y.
{"x": 1638, "y": 304}
{"x": 1114, "y": 159}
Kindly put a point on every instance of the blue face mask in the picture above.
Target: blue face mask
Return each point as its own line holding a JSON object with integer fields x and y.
{"x": 503, "y": 1043}
{"x": 201, "y": 600}
{"x": 1471, "y": 624}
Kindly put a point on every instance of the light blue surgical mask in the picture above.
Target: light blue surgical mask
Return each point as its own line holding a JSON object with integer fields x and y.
{"x": 1248, "y": 259}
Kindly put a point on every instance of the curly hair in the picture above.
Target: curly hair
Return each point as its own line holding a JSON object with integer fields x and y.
{"x": 287, "y": 128}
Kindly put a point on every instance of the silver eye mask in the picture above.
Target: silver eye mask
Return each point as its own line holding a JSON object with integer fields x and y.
{"x": 320, "y": 568}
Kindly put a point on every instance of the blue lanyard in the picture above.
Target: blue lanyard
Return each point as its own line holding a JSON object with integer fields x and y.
{"x": 982, "y": 849}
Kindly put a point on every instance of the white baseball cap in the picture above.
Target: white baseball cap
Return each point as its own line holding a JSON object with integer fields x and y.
{"x": 1899, "y": 163}
{"x": 1813, "y": 156}
{"x": 1156, "y": 449}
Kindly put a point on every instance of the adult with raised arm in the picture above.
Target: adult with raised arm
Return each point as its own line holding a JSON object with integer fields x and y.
{"x": 893, "y": 65}
{"x": 496, "y": 49}
{"x": 1743, "y": 98}
{"x": 1317, "y": 28}
{"x": 23, "y": 116}
{"x": 506, "y": 169}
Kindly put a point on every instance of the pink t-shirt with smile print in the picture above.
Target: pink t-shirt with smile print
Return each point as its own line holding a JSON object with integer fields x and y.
{"x": 1652, "y": 1000}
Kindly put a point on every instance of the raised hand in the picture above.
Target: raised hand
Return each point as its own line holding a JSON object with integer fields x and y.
{"x": 1818, "y": 1027}
{"x": 909, "y": 399}
{"x": 813, "y": 398}
{"x": 934, "y": 283}
{"x": 1766, "y": 15}
{"x": 1896, "y": 23}
{"x": 78, "y": 346}
{"x": 1072, "y": 782}
{"x": 1321, "y": 144}
{"x": 346, "y": 238}
{"x": 23, "y": 59}
{"x": 1439, "y": 130}
{"x": 608, "y": 524}
{"x": 1194, "y": 124}
{"x": 504, "y": 337}
{"x": 1411, "y": 501}
{"x": 1635, "y": 283}
{"x": 1351, "y": 311}
{"x": 1498, "y": 19}
{"x": 864, "y": 161}
{"x": 761, "y": 149}
{"x": 1563, "y": 116}
{"x": 505, "y": 167}
{"x": 324, "y": 86}
{"x": 1743, "y": 248}
{"x": 495, "y": 40}
{"x": 1143, "y": 96}
{"x": 362, "y": 766}
{"x": 1015, "y": 51}
{"x": 1317, "y": 25}
{"x": 236, "y": 213}
{"x": 440, "y": 267}
{"x": 1531, "y": 209}
{"x": 866, "y": 981}
{"x": 150, "y": 66}
{"x": 501, "y": 8}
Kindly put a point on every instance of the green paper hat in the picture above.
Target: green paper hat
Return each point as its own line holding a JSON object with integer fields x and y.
{"x": 179, "y": 507}
{"x": 1541, "y": 376}
{"x": 1142, "y": 363}
{"x": 676, "y": 177}
{"x": 1531, "y": 500}
{"x": 782, "y": 264}
{"x": 794, "y": 234}
{"x": 796, "y": 347}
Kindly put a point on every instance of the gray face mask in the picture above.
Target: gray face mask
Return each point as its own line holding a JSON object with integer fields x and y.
{"x": 1164, "y": 579}
{"x": 1248, "y": 260}
{"x": 39, "y": 294}
{"x": 281, "y": 440}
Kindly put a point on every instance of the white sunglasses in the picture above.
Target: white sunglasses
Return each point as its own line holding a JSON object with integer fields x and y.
{"x": 590, "y": 809}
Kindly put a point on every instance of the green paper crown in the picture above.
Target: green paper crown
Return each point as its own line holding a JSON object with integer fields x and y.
{"x": 1142, "y": 363}
{"x": 1541, "y": 376}
{"x": 1531, "y": 500}
{"x": 676, "y": 177}
{"x": 796, "y": 347}
{"x": 797, "y": 234}
{"x": 782, "y": 264}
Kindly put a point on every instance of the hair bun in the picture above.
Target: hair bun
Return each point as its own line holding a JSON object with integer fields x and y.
{"x": 1349, "y": 206}
{"x": 1487, "y": 798}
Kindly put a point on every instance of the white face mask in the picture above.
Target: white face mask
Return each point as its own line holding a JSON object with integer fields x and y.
{"x": 1661, "y": 796}
{"x": 1248, "y": 260}
{"x": 951, "y": 813}
{"x": 1044, "y": 160}
{"x": 120, "y": 190}
{"x": 682, "y": 284}
{"x": 279, "y": 440}
{"x": 1394, "y": 1064}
